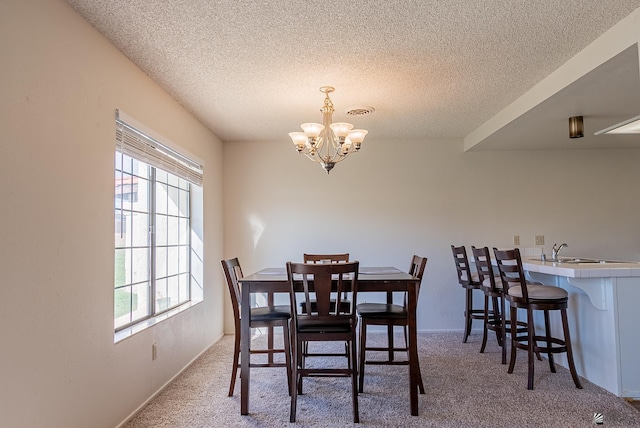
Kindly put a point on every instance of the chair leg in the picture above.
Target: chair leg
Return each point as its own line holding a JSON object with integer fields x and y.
{"x": 302, "y": 346}
{"x": 547, "y": 332}
{"x": 503, "y": 330}
{"x": 270, "y": 341}
{"x": 514, "y": 322}
{"x": 354, "y": 375}
{"x": 497, "y": 318}
{"x": 530, "y": 347}
{"x": 420, "y": 384}
{"x": 390, "y": 341}
{"x": 467, "y": 314}
{"x": 234, "y": 369}
{"x": 485, "y": 323}
{"x": 363, "y": 347}
{"x": 287, "y": 352}
{"x": 567, "y": 340}
{"x": 293, "y": 388}
{"x": 405, "y": 329}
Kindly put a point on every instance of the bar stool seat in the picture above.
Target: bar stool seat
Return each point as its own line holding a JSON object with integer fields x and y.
{"x": 539, "y": 292}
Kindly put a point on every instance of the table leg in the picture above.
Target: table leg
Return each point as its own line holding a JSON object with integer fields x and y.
{"x": 245, "y": 336}
{"x": 414, "y": 366}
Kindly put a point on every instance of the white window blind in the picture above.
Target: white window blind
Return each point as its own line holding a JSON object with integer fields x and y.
{"x": 139, "y": 145}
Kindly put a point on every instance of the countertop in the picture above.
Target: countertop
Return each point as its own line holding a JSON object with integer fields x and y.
{"x": 582, "y": 270}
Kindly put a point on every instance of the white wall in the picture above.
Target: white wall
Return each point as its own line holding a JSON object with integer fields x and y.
{"x": 60, "y": 83}
{"x": 397, "y": 198}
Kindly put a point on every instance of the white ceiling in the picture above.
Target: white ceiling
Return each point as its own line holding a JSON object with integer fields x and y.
{"x": 250, "y": 70}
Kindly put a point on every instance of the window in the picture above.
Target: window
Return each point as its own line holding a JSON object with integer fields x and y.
{"x": 152, "y": 229}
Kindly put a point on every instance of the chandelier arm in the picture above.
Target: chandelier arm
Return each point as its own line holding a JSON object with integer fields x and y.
{"x": 309, "y": 156}
{"x": 342, "y": 157}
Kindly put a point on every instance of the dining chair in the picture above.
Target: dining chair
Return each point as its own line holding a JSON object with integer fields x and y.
{"x": 326, "y": 258}
{"x": 469, "y": 281}
{"x": 328, "y": 323}
{"x": 323, "y": 259}
{"x": 534, "y": 297}
{"x": 388, "y": 314}
{"x": 261, "y": 317}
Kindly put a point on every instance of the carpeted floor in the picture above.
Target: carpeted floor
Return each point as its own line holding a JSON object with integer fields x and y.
{"x": 463, "y": 389}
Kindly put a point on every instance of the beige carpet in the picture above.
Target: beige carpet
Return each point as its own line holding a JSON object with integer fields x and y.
{"x": 463, "y": 389}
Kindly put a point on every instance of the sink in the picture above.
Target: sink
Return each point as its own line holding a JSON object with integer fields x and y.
{"x": 579, "y": 260}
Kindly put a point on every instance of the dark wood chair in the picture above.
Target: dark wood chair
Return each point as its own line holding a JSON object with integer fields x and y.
{"x": 326, "y": 258}
{"x": 261, "y": 317}
{"x": 469, "y": 281}
{"x": 534, "y": 297}
{"x": 493, "y": 298}
{"x": 323, "y": 259}
{"x": 390, "y": 315}
{"x": 328, "y": 323}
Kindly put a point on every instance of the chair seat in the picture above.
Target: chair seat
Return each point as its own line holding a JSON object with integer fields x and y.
{"x": 473, "y": 282}
{"x": 324, "y": 328}
{"x": 539, "y": 292}
{"x": 266, "y": 313}
{"x": 385, "y": 310}
{"x": 487, "y": 282}
{"x": 345, "y": 306}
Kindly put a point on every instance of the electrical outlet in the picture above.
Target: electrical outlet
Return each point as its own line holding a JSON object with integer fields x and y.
{"x": 154, "y": 351}
{"x": 516, "y": 240}
{"x": 539, "y": 240}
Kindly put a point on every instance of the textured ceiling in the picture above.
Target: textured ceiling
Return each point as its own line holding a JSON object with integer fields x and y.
{"x": 250, "y": 70}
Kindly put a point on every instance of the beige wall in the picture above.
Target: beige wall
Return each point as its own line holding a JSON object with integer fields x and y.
{"x": 60, "y": 85}
{"x": 397, "y": 198}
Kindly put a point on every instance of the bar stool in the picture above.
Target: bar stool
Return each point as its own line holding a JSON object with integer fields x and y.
{"x": 534, "y": 297}
{"x": 493, "y": 295}
{"x": 469, "y": 281}
{"x": 495, "y": 319}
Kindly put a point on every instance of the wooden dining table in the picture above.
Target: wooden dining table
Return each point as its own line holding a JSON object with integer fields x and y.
{"x": 370, "y": 279}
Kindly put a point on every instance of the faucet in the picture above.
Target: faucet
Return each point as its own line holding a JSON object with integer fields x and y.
{"x": 555, "y": 251}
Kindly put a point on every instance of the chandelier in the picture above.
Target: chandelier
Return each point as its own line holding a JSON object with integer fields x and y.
{"x": 327, "y": 143}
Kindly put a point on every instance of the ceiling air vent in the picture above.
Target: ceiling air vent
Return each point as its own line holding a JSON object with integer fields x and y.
{"x": 360, "y": 111}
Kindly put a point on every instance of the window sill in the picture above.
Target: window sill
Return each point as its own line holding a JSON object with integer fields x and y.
{"x": 143, "y": 325}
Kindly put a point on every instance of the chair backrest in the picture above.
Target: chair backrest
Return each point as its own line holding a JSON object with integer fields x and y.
{"x": 462, "y": 265}
{"x": 511, "y": 271}
{"x": 417, "y": 267}
{"x": 318, "y": 282}
{"x": 486, "y": 277}
{"x": 233, "y": 271}
{"x": 326, "y": 258}
{"x": 418, "y": 264}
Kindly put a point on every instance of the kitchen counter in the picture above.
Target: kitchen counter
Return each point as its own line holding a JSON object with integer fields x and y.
{"x": 604, "y": 300}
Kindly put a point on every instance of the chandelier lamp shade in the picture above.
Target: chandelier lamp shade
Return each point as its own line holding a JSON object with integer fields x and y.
{"x": 327, "y": 143}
